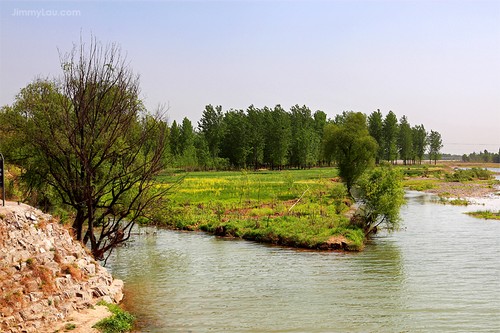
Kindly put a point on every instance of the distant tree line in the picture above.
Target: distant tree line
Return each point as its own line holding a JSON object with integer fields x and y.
{"x": 84, "y": 143}
{"x": 483, "y": 157}
{"x": 275, "y": 138}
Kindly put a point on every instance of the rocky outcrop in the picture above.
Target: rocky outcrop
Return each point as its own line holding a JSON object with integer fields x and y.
{"x": 45, "y": 275}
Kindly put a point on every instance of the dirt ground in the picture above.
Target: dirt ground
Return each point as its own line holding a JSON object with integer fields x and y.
{"x": 464, "y": 190}
{"x": 82, "y": 321}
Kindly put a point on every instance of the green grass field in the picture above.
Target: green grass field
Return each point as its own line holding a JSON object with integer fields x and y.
{"x": 300, "y": 208}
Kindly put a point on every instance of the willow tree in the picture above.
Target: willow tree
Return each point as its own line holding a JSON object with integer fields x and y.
{"x": 88, "y": 136}
{"x": 351, "y": 145}
{"x": 380, "y": 195}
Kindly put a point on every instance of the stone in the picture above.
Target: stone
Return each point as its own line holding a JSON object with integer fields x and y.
{"x": 33, "y": 286}
{"x": 89, "y": 269}
{"x": 61, "y": 282}
{"x": 107, "y": 299}
{"x": 69, "y": 259}
{"x": 31, "y": 216}
{"x": 117, "y": 288}
{"x": 10, "y": 320}
{"x": 35, "y": 296}
{"x": 82, "y": 262}
{"x": 38, "y": 310}
{"x": 100, "y": 291}
{"x": 17, "y": 223}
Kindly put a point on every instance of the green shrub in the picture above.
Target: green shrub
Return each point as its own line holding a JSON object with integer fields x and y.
{"x": 357, "y": 237}
{"x": 454, "y": 202}
{"x": 462, "y": 175}
{"x": 120, "y": 322}
{"x": 69, "y": 327}
{"x": 485, "y": 214}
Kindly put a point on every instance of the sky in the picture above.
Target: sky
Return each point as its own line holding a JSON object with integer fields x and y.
{"x": 437, "y": 62}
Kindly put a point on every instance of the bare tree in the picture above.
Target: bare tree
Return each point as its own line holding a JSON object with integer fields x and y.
{"x": 95, "y": 143}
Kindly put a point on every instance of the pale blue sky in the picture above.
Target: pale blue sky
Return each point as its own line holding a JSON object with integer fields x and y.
{"x": 437, "y": 62}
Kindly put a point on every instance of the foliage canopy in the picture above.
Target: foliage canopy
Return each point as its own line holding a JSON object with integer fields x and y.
{"x": 351, "y": 145}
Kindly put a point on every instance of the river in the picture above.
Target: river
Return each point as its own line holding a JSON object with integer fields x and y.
{"x": 439, "y": 273}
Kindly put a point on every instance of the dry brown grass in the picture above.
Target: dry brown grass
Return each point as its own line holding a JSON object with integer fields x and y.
{"x": 12, "y": 300}
{"x": 3, "y": 233}
{"x": 75, "y": 272}
{"x": 46, "y": 277}
{"x": 42, "y": 224}
{"x": 57, "y": 256}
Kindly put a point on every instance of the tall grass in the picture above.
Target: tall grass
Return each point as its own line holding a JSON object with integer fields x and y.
{"x": 302, "y": 208}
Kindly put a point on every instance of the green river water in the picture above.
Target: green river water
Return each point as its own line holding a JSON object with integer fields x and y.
{"x": 439, "y": 273}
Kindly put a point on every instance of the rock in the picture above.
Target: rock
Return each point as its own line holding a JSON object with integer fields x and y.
{"x": 17, "y": 223}
{"x": 82, "y": 263}
{"x": 84, "y": 295}
{"x": 100, "y": 291}
{"x": 117, "y": 287}
{"x": 89, "y": 269}
{"x": 61, "y": 282}
{"x": 9, "y": 321}
{"x": 46, "y": 291}
{"x": 69, "y": 259}
{"x": 31, "y": 217}
{"x": 107, "y": 299}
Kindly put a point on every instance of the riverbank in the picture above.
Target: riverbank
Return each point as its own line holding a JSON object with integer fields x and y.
{"x": 442, "y": 188}
{"x": 297, "y": 208}
{"x": 48, "y": 281}
{"x": 435, "y": 179}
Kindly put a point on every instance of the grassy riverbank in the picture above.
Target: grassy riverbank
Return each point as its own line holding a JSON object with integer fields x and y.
{"x": 300, "y": 208}
{"x": 448, "y": 182}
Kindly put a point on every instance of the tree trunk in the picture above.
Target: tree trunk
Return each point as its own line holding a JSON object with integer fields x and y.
{"x": 78, "y": 224}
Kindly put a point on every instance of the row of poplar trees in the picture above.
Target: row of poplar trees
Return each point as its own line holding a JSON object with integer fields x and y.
{"x": 276, "y": 138}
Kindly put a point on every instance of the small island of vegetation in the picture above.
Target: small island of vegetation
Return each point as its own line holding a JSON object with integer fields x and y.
{"x": 486, "y": 214}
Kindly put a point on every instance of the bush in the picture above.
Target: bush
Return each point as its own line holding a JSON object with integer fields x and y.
{"x": 380, "y": 195}
{"x": 462, "y": 175}
{"x": 120, "y": 322}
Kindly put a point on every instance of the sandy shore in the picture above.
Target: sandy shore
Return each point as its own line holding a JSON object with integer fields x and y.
{"x": 82, "y": 321}
{"x": 463, "y": 190}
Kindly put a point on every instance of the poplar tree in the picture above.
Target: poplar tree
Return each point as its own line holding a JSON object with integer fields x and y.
{"x": 420, "y": 142}
{"x": 435, "y": 145}
{"x": 405, "y": 140}
{"x": 390, "y": 138}
{"x": 376, "y": 129}
{"x": 212, "y": 128}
